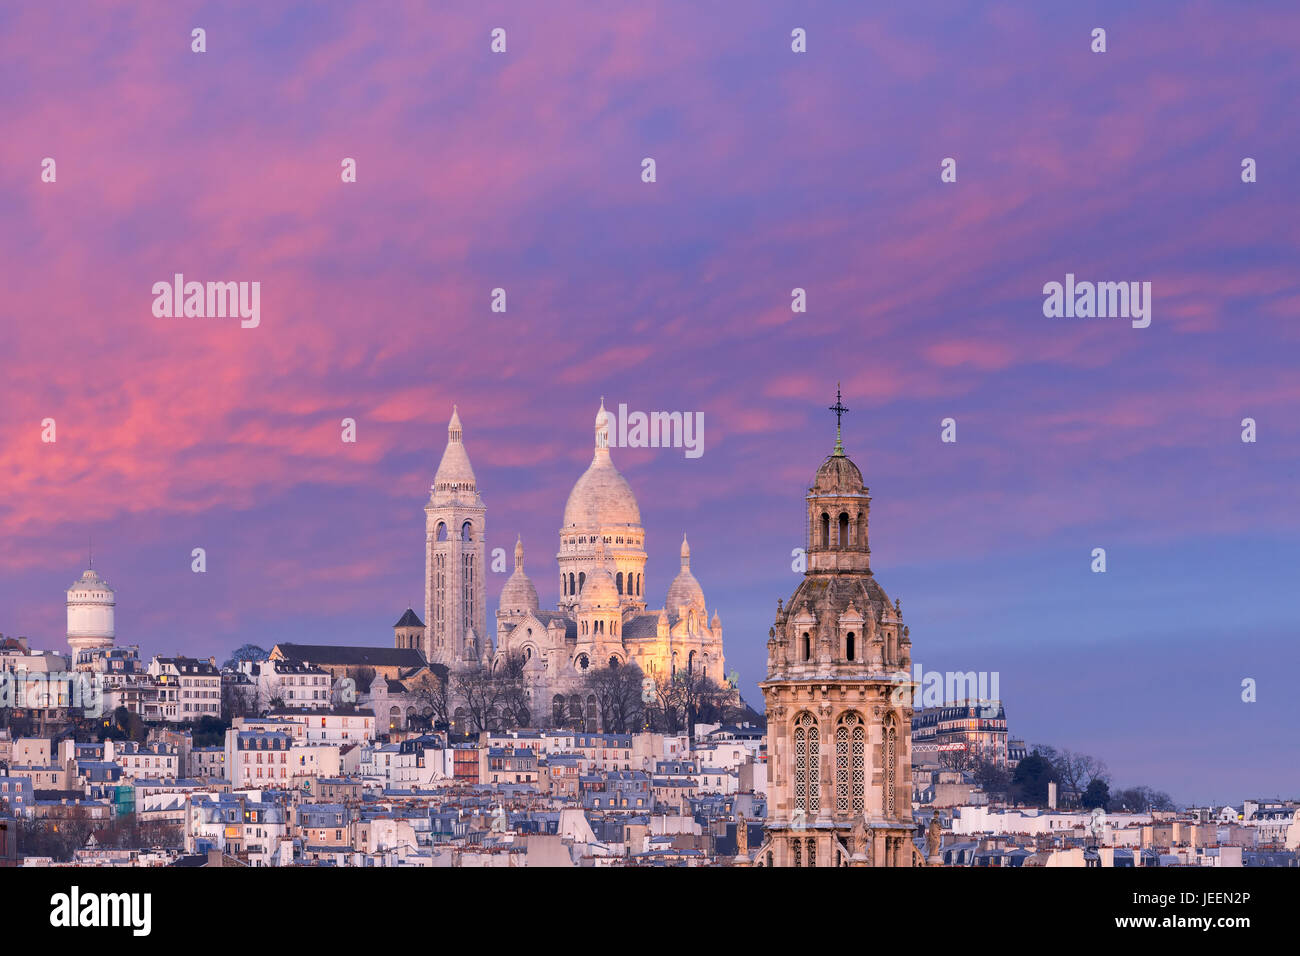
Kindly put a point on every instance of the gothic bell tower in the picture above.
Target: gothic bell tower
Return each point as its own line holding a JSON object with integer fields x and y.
{"x": 838, "y": 695}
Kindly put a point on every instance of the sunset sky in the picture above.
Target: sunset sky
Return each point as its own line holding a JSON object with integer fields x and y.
{"x": 775, "y": 170}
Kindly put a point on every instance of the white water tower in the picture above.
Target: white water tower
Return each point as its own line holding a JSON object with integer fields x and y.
{"x": 90, "y": 614}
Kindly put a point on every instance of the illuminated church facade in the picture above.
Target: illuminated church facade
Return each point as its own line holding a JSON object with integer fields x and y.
{"x": 603, "y": 616}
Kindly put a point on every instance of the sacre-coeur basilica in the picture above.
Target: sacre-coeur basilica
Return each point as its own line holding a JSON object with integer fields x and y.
{"x": 603, "y": 617}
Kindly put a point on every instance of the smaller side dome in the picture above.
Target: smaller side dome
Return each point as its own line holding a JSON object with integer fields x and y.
{"x": 519, "y": 594}
{"x": 685, "y": 590}
{"x": 600, "y": 591}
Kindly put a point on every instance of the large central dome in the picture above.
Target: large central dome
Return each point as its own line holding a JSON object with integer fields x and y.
{"x": 601, "y": 498}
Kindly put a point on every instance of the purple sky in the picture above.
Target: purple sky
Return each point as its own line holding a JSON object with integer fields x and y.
{"x": 775, "y": 170}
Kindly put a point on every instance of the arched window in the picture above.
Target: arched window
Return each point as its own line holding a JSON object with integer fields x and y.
{"x": 891, "y": 765}
{"x": 613, "y": 660}
{"x": 582, "y": 579}
{"x": 807, "y": 764}
{"x": 850, "y": 646}
{"x": 572, "y": 589}
{"x": 812, "y": 852}
{"x": 862, "y": 530}
{"x": 850, "y": 763}
{"x": 442, "y": 531}
{"x": 807, "y": 646}
{"x": 826, "y": 530}
{"x": 844, "y": 529}
{"x": 467, "y": 532}
{"x": 797, "y": 847}
{"x": 638, "y": 585}
{"x": 618, "y": 580}
{"x": 690, "y": 663}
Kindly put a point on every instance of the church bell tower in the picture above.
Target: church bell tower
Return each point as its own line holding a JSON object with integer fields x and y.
{"x": 838, "y": 696}
{"x": 455, "y": 596}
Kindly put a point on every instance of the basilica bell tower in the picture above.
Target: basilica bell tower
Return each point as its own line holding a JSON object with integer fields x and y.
{"x": 455, "y": 596}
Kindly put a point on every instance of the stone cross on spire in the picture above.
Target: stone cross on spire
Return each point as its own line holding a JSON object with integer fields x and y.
{"x": 839, "y": 410}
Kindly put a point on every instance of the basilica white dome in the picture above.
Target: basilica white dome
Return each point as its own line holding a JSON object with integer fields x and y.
{"x": 601, "y": 498}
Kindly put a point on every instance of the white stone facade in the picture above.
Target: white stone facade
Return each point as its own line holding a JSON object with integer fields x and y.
{"x": 602, "y": 614}
{"x": 455, "y": 601}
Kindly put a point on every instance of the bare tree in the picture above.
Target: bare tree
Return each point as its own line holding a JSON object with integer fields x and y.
{"x": 962, "y": 761}
{"x": 993, "y": 779}
{"x": 1074, "y": 770}
{"x": 665, "y": 707}
{"x": 275, "y": 694}
{"x": 687, "y": 698}
{"x": 240, "y": 700}
{"x": 430, "y": 694}
{"x": 618, "y": 689}
{"x": 703, "y": 699}
{"x": 475, "y": 688}
{"x": 512, "y": 691}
